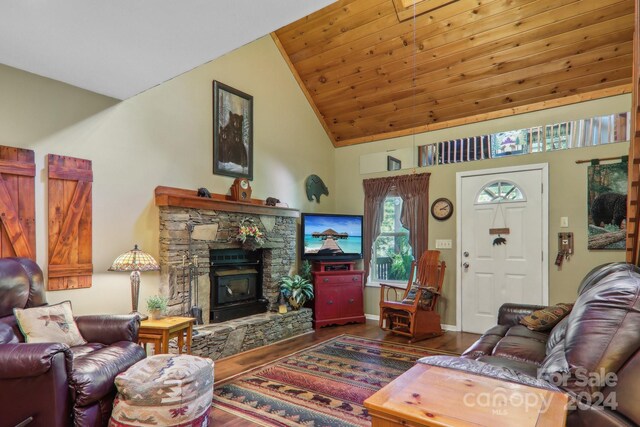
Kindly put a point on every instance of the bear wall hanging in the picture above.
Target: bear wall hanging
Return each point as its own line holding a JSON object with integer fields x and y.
{"x": 607, "y": 205}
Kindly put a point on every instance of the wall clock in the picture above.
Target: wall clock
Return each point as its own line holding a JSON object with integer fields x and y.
{"x": 241, "y": 190}
{"x": 442, "y": 209}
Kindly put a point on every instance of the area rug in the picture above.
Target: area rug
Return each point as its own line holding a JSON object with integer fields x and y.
{"x": 320, "y": 386}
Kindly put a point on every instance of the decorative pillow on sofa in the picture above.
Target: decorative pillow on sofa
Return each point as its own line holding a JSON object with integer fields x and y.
{"x": 546, "y": 318}
{"x": 49, "y": 323}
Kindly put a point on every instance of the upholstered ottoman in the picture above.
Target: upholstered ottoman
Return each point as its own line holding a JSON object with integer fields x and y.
{"x": 164, "y": 390}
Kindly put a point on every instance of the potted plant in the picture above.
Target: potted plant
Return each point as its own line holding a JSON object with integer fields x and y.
{"x": 156, "y": 305}
{"x": 297, "y": 289}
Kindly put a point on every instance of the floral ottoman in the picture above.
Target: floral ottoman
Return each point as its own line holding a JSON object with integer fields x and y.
{"x": 164, "y": 390}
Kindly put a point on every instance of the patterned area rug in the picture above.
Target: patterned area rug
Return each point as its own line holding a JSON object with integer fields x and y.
{"x": 320, "y": 386}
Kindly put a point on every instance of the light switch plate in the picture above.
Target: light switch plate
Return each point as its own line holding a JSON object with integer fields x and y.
{"x": 443, "y": 244}
{"x": 564, "y": 221}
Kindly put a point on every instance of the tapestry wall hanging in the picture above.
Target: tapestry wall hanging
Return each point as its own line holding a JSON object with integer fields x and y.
{"x": 232, "y": 132}
{"x": 607, "y": 205}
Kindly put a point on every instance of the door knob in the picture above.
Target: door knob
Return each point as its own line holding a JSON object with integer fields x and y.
{"x": 465, "y": 265}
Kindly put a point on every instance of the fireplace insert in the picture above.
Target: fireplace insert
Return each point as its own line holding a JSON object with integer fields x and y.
{"x": 236, "y": 284}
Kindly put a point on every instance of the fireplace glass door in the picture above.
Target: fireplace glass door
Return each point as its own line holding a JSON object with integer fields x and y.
{"x": 235, "y": 285}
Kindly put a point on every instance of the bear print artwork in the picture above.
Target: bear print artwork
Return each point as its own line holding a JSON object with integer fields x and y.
{"x": 232, "y": 149}
{"x": 232, "y": 132}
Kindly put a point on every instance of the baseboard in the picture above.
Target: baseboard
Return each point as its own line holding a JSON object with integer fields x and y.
{"x": 376, "y": 317}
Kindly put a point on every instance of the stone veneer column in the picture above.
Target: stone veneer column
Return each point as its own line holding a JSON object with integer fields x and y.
{"x": 217, "y": 230}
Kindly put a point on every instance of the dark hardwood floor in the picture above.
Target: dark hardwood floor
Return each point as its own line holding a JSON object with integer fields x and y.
{"x": 455, "y": 342}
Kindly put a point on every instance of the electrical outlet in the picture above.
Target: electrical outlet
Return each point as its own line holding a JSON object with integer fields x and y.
{"x": 443, "y": 244}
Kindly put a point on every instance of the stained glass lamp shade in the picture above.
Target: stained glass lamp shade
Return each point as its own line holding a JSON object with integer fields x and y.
{"x": 135, "y": 261}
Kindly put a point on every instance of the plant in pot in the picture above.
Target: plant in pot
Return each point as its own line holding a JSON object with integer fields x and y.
{"x": 297, "y": 289}
{"x": 157, "y": 306}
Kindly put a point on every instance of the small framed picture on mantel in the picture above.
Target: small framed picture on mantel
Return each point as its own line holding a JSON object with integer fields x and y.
{"x": 232, "y": 132}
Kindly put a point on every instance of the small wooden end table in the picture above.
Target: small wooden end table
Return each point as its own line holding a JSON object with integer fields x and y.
{"x": 437, "y": 397}
{"x": 159, "y": 332}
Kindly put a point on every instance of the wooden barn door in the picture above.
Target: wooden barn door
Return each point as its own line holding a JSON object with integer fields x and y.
{"x": 17, "y": 203}
{"x": 70, "y": 262}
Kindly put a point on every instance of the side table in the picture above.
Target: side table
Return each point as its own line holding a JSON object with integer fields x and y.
{"x": 159, "y": 332}
{"x": 430, "y": 396}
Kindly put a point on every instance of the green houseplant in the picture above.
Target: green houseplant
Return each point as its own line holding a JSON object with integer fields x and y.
{"x": 297, "y": 289}
{"x": 157, "y": 305}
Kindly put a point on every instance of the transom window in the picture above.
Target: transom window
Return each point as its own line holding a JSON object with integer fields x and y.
{"x": 500, "y": 192}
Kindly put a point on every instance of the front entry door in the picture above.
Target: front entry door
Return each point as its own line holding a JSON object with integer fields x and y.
{"x": 501, "y": 251}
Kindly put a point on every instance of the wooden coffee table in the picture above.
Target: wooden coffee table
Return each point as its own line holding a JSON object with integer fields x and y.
{"x": 159, "y": 332}
{"x": 437, "y": 397}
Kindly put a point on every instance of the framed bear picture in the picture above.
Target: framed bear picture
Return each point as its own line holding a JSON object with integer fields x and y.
{"x": 232, "y": 132}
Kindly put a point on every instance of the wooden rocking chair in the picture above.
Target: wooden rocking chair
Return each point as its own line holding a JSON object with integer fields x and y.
{"x": 413, "y": 315}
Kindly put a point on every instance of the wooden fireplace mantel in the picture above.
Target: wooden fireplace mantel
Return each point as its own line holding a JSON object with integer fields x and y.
{"x": 179, "y": 197}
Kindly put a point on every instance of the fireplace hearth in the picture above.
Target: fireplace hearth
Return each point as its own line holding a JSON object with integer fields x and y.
{"x": 192, "y": 225}
{"x": 236, "y": 284}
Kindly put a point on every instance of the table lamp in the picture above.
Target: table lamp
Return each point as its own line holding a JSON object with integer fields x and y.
{"x": 135, "y": 261}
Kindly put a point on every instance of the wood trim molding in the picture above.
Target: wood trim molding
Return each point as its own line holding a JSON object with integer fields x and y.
{"x": 183, "y": 198}
{"x": 573, "y": 99}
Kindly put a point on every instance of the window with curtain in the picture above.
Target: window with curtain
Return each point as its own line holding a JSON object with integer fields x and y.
{"x": 392, "y": 255}
{"x": 395, "y": 209}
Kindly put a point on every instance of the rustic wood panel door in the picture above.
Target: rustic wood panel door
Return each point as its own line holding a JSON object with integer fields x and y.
{"x": 70, "y": 236}
{"x": 17, "y": 203}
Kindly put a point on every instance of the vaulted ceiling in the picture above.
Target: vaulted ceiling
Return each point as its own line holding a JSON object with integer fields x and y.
{"x": 374, "y": 69}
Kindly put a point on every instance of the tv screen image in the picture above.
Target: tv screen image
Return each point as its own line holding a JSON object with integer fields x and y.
{"x": 329, "y": 236}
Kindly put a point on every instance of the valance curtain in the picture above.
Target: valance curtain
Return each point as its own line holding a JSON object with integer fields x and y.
{"x": 414, "y": 191}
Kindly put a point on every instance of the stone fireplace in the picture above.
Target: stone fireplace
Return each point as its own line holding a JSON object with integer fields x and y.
{"x": 194, "y": 226}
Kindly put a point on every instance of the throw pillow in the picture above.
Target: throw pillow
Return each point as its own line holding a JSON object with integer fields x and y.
{"x": 546, "y": 318}
{"x": 411, "y": 295}
{"x": 49, "y": 323}
{"x": 425, "y": 296}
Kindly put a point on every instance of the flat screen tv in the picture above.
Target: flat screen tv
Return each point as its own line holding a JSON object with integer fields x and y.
{"x": 328, "y": 237}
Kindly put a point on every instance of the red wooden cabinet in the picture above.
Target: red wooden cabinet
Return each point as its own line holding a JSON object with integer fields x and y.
{"x": 338, "y": 290}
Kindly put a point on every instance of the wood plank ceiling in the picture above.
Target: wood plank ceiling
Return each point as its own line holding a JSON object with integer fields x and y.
{"x": 370, "y": 76}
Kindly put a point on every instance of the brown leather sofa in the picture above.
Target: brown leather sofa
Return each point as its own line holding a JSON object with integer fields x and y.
{"x": 579, "y": 356}
{"x": 51, "y": 384}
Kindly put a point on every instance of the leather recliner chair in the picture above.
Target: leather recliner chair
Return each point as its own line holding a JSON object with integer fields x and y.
{"x": 52, "y": 384}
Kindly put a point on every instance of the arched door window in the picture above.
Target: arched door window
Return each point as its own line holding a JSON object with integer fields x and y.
{"x": 500, "y": 192}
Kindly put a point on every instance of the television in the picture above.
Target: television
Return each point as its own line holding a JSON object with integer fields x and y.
{"x": 331, "y": 237}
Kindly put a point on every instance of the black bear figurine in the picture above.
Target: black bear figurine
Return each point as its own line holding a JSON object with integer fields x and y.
{"x": 203, "y": 192}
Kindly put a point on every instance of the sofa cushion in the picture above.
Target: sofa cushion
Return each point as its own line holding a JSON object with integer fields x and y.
{"x": 93, "y": 374}
{"x": 557, "y": 334}
{"x": 520, "y": 348}
{"x": 50, "y": 323}
{"x": 483, "y": 346}
{"x": 487, "y": 342}
{"x": 546, "y": 318}
{"x": 524, "y": 332}
{"x": 555, "y": 366}
{"x": 83, "y": 350}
